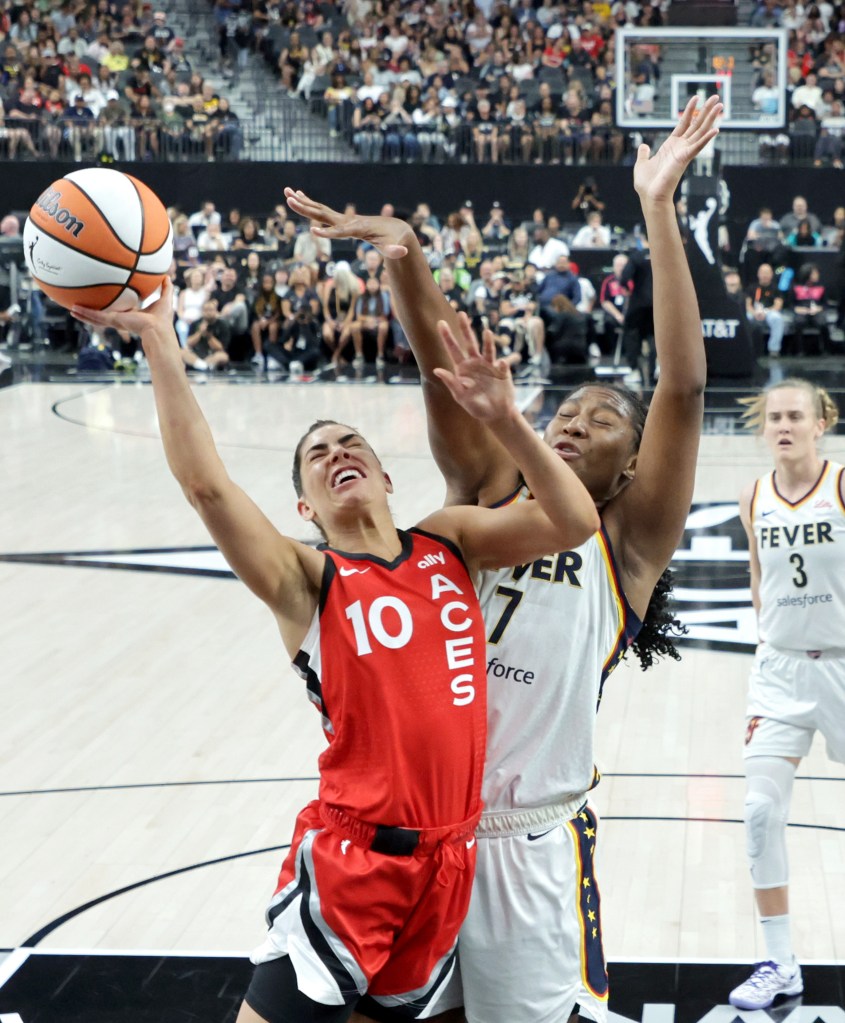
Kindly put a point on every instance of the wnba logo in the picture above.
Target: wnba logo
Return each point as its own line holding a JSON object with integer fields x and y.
{"x": 49, "y": 201}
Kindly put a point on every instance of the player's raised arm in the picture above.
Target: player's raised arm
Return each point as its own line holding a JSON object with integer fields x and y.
{"x": 647, "y": 518}
{"x": 283, "y": 573}
{"x": 561, "y": 516}
{"x": 478, "y": 460}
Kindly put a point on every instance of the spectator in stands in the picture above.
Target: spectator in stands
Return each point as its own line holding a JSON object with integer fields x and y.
{"x": 198, "y": 288}
{"x": 117, "y": 133}
{"x": 366, "y": 127}
{"x": 807, "y": 300}
{"x": 51, "y": 125}
{"x": 516, "y": 137}
{"x": 831, "y": 138}
{"x": 212, "y": 238}
{"x": 185, "y": 250}
{"x": 287, "y": 242}
{"x": 559, "y": 281}
{"x": 231, "y": 301}
{"x": 79, "y": 127}
{"x": 161, "y": 32}
{"x": 455, "y": 295}
{"x": 400, "y": 142}
{"x": 607, "y": 142}
{"x": 574, "y": 128}
{"x": 116, "y": 60}
{"x": 206, "y": 344}
{"x": 224, "y": 137}
{"x": 292, "y": 62}
{"x": 547, "y": 249}
{"x": 266, "y": 317}
{"x": 519, "y": 245}
{"x": 173, "y": 130}
{"x": 485, "y": 133}
{"x": 340, "y": 293}
{"x": 15, "y": 137}
{"x": 800, "y": 211}
{"x": 24, "y": 30}
{"x": 496, "y": 227}
{"x": 371, "y": 322}
{"x": 338, "y": 98}
{"x": 144, "y": 119}
{"x": 318, "y": 64}
{"x": 248, "y": 235}
{"x": 613, "y": 300}
{"x": 764, "y": 308}
{"x": 803, "y": 131}
{"x": 566, "y": 332}
{"x": 519, "y": 317}
{"x": 593, "y": 235}
{"x": 312, "y": 251}
{"x": 300, "y": 320}
{"x": 205, "y": 215}
{"x": 250, "y": 274}
{"x": 544, "y": 122}
{"x": 804, "y": 236}
{"x": 275, "y": 226}
{"x": 809, "y": 94}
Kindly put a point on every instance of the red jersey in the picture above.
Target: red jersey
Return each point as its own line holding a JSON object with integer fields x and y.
{"x": 395, "y": 661}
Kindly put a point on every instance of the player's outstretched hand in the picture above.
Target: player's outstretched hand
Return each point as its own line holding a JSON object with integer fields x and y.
{"x": 387, "y": 234}
{"x": 480, "y": 382}
{"x": 157, "y": 317}
{"x": 656, "y": 176}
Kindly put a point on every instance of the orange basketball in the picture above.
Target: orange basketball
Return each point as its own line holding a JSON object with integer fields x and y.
{"x": 98, "y": 238}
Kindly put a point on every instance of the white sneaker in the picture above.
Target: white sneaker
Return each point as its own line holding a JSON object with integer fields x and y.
{"x": 257, "y": 359}
{"x": 765, "y": 984}
{"x": 273, "y": 363}
{"x": 593, "y": 350}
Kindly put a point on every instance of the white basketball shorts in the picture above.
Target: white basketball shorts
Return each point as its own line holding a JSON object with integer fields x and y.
{"x": 791, "y": 696}
{"x": 531, "y": 945}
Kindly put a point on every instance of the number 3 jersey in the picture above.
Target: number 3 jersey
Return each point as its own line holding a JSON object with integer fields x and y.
{"x": 394, "y": 660}
{"x": 556, "y": 628}
{"x": 801, "y": 548}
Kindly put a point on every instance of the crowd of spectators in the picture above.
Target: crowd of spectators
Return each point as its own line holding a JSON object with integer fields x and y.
{"x": 269, "y": 292}
{"x": 557, "y": 289}
{"x": 460, "y": 80}
{"x": 532, "y": 81}
{"x": 400, "y": 80}
{"x": 105, "y": 80}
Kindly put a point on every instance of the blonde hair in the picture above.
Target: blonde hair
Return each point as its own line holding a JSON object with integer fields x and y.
{"x": 824, "y": 406}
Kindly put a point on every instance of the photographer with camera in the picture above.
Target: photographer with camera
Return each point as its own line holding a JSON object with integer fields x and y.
{"x": 208, "y": 340}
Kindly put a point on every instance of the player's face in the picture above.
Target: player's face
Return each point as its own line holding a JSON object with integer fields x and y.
{"x": 592, "y": 431}
{"x": 792, "y": 428}
{"x": 341, "y": 476}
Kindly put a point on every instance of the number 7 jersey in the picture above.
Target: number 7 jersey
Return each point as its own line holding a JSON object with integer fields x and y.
{"x": 801, "y": 549}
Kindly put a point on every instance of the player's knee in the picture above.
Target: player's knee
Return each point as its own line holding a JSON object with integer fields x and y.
{"x": 766, "y": 811}
{"x": 760, "y": 813}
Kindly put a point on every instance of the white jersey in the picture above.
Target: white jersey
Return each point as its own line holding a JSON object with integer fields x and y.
{"x": 802, "y": 580}
{"x": 556, "y": 628}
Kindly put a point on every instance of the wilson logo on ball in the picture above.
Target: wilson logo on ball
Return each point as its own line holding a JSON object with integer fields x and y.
{"x": 98, "y": 238}
{"x": 49, "y": 201}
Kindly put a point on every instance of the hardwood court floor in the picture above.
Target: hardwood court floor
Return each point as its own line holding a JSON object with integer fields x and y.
{"x": 155, "y": 746}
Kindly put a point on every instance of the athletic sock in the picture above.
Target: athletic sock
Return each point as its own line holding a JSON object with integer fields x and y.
{"x": 778, "y": 939}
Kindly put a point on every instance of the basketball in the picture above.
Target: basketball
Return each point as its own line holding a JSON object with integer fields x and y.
{"x": 98, "y": 238}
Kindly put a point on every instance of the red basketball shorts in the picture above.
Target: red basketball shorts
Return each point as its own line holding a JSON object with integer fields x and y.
{"x": 355, "y": 920}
